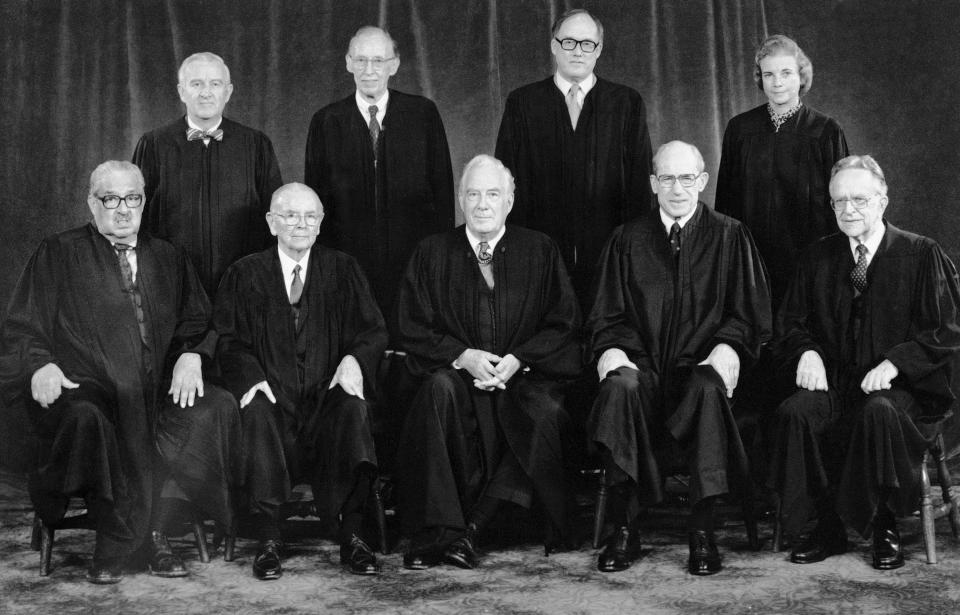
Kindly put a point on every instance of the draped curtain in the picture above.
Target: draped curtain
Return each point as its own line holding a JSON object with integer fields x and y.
{"x": 81, "y": 80}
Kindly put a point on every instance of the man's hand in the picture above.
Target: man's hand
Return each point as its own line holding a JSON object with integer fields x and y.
{"x": 879, "y": 377}
{"x": 48, "y": 383}
{"x": 349, "y": 376}
{"x": 725, "y": 361}
{"x": 611, "y": 359}
{"x": 811, "y": 374}
{"x": 186, "y": 384}
{"x": 505, "y": 369}
{"x": 478, "y": 363}
{"x": 261, "y": 386}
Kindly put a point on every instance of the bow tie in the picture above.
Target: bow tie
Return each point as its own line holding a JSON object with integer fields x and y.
{"x": 195, "y": 133}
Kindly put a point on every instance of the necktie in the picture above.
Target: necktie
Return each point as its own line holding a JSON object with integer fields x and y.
{"x": 675, "y": 238}
{"x": 484, "y": 257}
{"x": 573, "y": 105}
{"x": 130, "y": 287}
{"x": 296, "y": 287}
{"x": 374, "y": 127}
{"x": 195, "y": 133}
{"x": 859, "y": 274}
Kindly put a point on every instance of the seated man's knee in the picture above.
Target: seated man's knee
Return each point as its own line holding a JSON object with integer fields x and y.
{"x": 622, "y": 380}
{"x": 879, "y": 407}
{"x": 704, "y": 378}
{"x": 442, "y": 383}
{"x": 802, "y": 405}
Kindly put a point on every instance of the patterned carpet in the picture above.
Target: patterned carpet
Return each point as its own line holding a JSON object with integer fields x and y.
{"x": 511, "y": 580}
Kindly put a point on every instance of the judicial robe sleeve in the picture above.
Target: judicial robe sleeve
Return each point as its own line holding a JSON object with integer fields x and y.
{"x": 234, "y": 319}
{"x": 193, "y": 332}
{"x": 638, "y": 163}
{"x": 793, "y": 334}
{"x": 440, "y": 170}
{"x": 610, "y": 324}
{"x": 364, "y": 328}
{"x": 729, "y": 199}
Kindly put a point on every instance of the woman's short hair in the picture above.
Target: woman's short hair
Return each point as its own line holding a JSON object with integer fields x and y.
{"x": 778, "y": 44}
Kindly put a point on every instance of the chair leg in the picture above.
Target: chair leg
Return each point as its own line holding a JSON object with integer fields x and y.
{"x": 381, "y": 518}
{"x": 35, "y": 533}
{"x": 46, "y": 548}
{"x": 750, "y": 521}
{"x": 200, "y": 535}
{"x": 951, "y": 497}
{"x": 926, "y": 512}
{"x": 231, "y": 542}
{"x": 778, "y": 527}
{"x": 600, "y": 509}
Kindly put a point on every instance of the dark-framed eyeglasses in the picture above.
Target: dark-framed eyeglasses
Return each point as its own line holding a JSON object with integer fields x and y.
{"x": 687, "y": 180}
{"x": 360, "y": 62}
{"x": 291, "y": 219}
{"x": 112, "y": 201}
{"x": 569, "y": 44}
{"x": 859, "y": 202}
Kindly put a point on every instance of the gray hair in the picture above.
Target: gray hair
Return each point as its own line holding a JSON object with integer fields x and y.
{"x": 203, "y": 56}
{"x": 365, "y": 30}
{"x": 866, "y": 163}
{"x": 701, "y": 165}
{"x": 113, "y": 166}
{"x": 292, "y": 187}
{"x": 485, "y": 160}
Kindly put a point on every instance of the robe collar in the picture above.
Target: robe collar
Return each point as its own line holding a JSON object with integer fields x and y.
{"x": 474, "y": 241}
{"x": 873, "y": 244}
{"x": 682, "y": 220}
{"x": 585, "y": 86}
{"x": 364, "y": 107}
{"x": 287, "y": 264}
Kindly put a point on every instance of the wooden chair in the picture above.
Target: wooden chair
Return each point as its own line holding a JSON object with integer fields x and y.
{"x": 77, "y": 518}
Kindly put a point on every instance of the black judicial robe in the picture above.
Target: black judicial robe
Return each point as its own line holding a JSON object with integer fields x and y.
{"x": 722, "y": 286}
{"x": 257, "y": 340}
{"x": 378, "y": 218}
{"x": 777, "y": 183}
{"x": 908, "y": 314}
{"x": 209, "y": 199}
{"x": 69, "y": 309}
{"x": 576, "y": 185}
{"x": 536, "y": 320}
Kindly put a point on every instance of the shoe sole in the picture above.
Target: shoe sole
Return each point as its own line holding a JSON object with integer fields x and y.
{"x": 268, "y": 577}
{"x": 99, "y": 581}
{"x": 168, "y": 575}
{"x": 459, "y": 562}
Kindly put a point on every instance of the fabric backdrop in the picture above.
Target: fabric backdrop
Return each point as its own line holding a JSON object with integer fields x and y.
{"x": 81, "y": 80}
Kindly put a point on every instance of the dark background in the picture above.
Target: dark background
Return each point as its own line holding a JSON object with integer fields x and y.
{"x": 81, "y": 81}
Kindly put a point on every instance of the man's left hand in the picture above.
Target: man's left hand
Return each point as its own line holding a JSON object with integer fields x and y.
{"x": 879, "y": 377}
{"x": 187, "y": 381}
{"x": 349, "y": 376}
{"x": 725, "y": 361}
{"x": 505, "y": 369}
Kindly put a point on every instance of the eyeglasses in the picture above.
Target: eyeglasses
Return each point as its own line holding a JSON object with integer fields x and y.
{"x": 360, "y": 62}
{"x": 569, "y": 44}
{"x": 291, "y": 219}
{"x": 859, "y": 202}
{"x": 112, "y": 201}
{"x": 686, "y": 181}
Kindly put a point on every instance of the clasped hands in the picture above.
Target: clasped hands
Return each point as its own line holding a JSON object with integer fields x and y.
{"x": 348, "y": 375}
{"x": 489, "y": 371}
{"x": 812, "y": 375}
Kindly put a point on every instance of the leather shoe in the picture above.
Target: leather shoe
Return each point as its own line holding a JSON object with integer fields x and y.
{"x": 462, "y": 552}
{"x": 266, "y": 565}
{"x": 704, "y": 557}
{"x": 820, "y": 544}
{"x": 887, "y": 554}
{"x": 163, "y": 561}
{"x": 358, "y": 558}
{"x": 422, "y": 558}
{"x": 621, "y": 550}
{"x": 105, "y": 573}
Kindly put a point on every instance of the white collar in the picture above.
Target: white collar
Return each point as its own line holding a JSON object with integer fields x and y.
{"x": 190, "y": 124}
{"x": 287, "y": 264}
{"x": 364, "y": 106}
{"x": 585, "y": 86}
{"x": 872, "y": 243}
{"x": 492, "y": 242}
{"x": 682, "y": 220}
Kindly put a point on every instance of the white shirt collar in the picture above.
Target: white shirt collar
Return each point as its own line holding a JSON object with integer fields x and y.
{"x": 364, "y": 107}
{"x": 669, "y": 220}
{"x": 585, "y": 86}
{"x": 475, "y": 241}
{"x": 287, "y": 264}
{"x": 190, "y": 124}
{"x": 872, "y": 243}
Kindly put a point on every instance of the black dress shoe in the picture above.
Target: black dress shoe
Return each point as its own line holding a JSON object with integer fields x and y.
{"x": 621, "y": 550}
{"x": 358, "y": 558}
{"x": 887, "y": 554}
{"x": 422, "y": 558}
{"x": 462, "y": 552}
{"x": 266, "y": 565}
{"x": 163, "y": 562}
{"x": 105, "y": 573}
{"x": 822, "y": 542}
{"x": 704, "y": 557}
